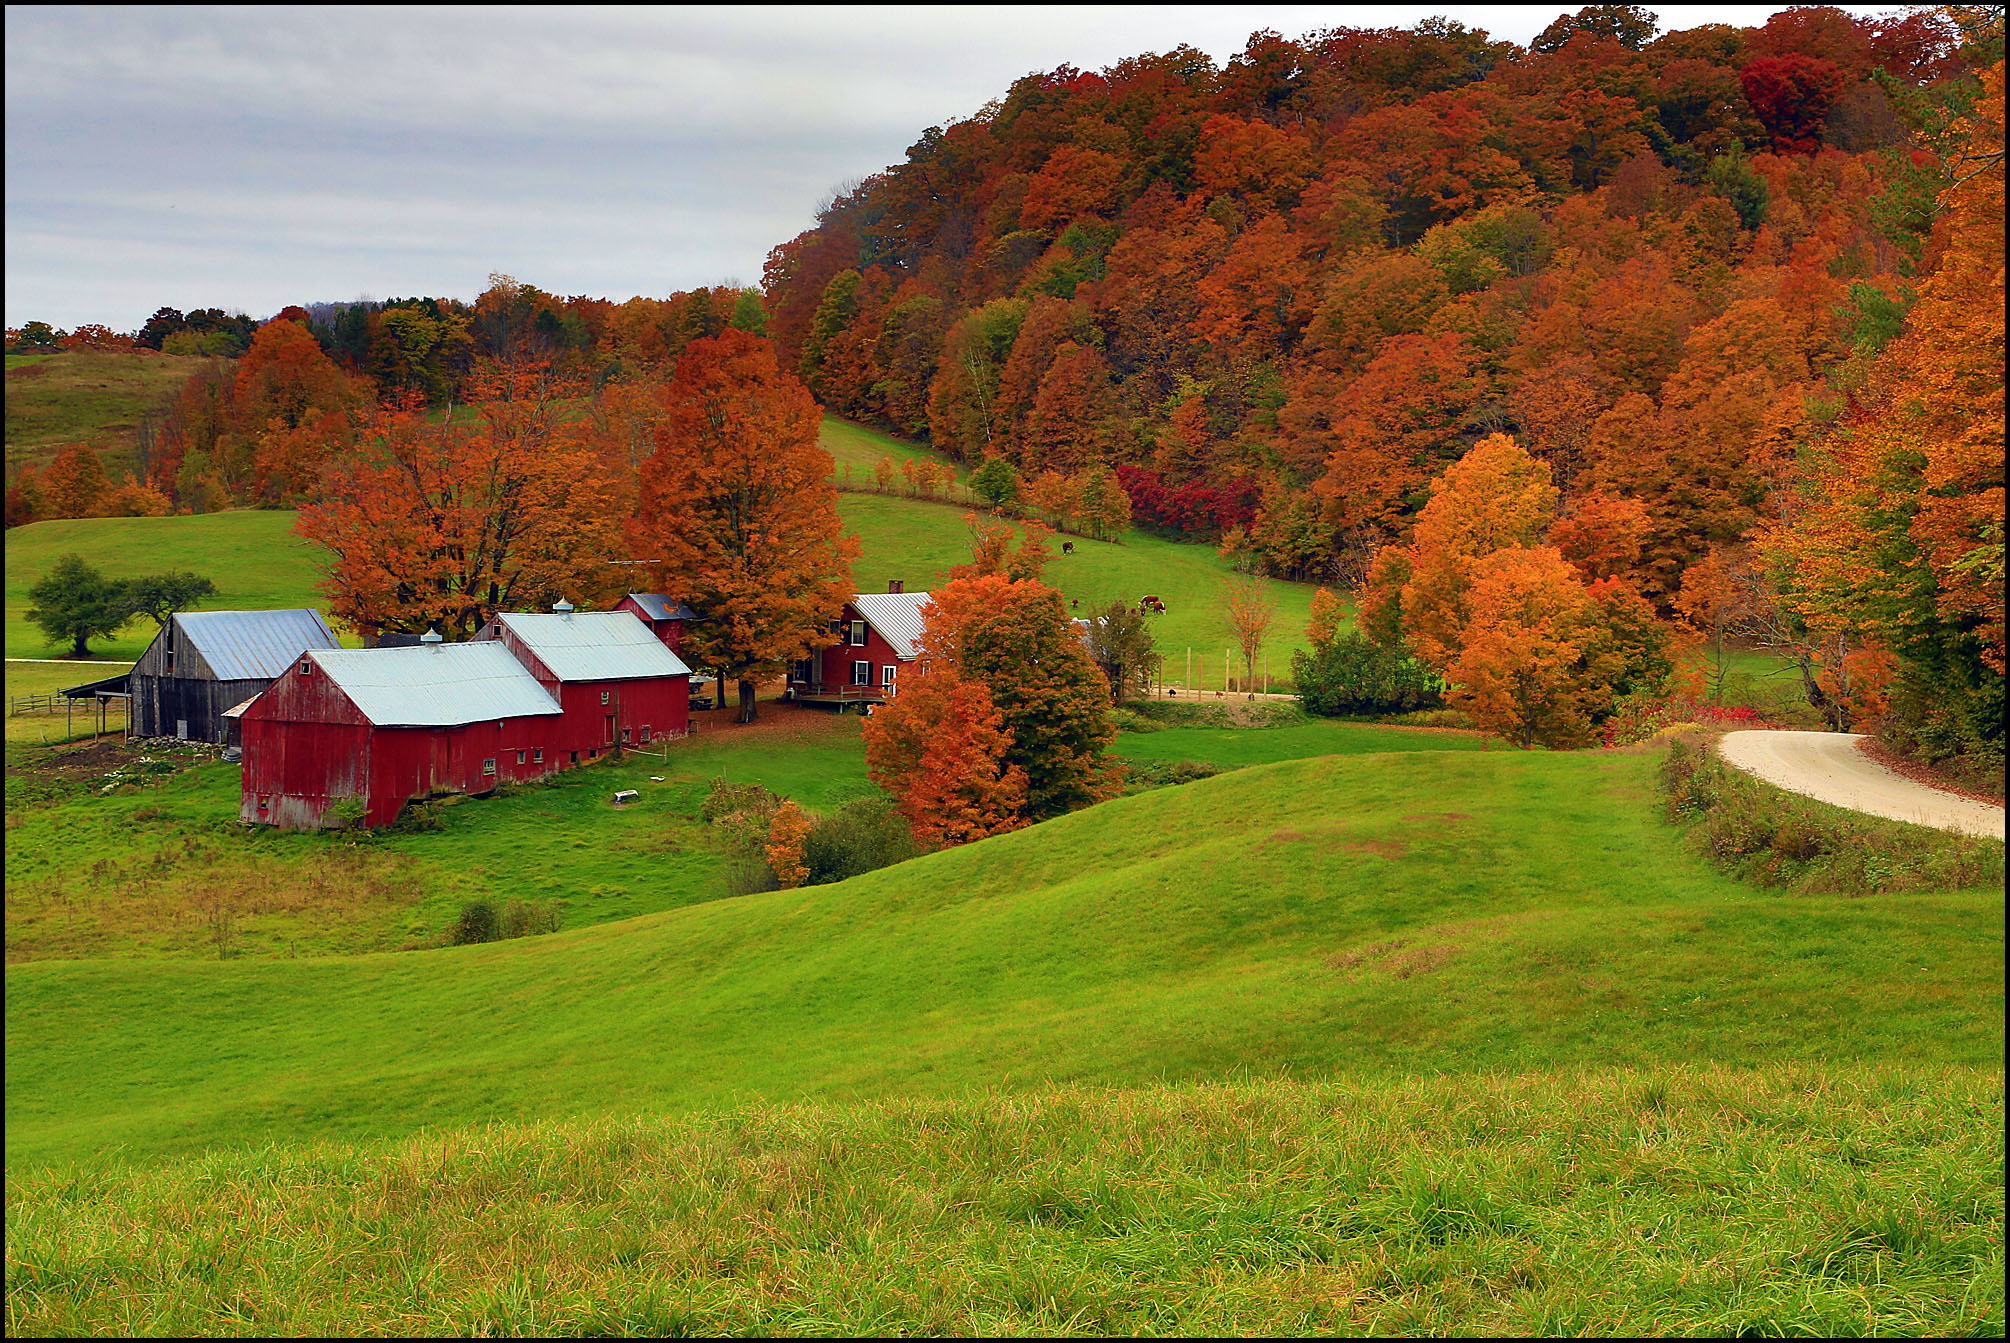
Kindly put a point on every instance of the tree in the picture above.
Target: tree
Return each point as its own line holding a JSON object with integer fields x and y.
{"x": 1324, "y": 623}
{"x": 72, "y": 483}
{"x": 1250, "y": 609}
{"x": 940, "y": 749}
{"x": 1523, "y": 671}
{"x": 786, "y": 833}
{"x": 738, "y": 512}
{"x": 995, "y": 482}
{"x": 1121, "y": 642}
{"x": 24, "y": 496}
{"x": 132, "y": 498}
{"x": 441, "y": 525}
{"x": 159, "y": 596}
{"x": 75, "y": 602}
{"x": 1349, "y": 675}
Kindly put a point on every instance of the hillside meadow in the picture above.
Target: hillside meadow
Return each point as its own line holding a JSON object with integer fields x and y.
{"x": 88, "y": 396}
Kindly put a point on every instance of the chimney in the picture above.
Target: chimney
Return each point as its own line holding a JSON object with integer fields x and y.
{"x": 896, "y": 585}
{"x": 432, "y": 639}
{"x": 563, "y": 608}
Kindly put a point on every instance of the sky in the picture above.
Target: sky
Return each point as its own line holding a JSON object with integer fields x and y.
{"x": 248, "y": 158}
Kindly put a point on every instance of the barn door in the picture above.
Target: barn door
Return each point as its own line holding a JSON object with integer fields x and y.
{"x": 181, "y": 729}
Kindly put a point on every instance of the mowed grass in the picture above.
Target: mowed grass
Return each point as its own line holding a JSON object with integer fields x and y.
{"x": 861, "y": 448}
{"x": 88, "y": 396}
{"x": 1826, "y": 1201}
{"x": 1452, "y": 912}
{"x": 251, "y": 555}
{"x": 25, "y": 679}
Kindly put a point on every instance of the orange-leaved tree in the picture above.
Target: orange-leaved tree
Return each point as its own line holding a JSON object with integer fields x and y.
{"x": 507, "y": 506}
{"x": 787, "y": 832}
{"x": 1531, "y": 667}
{"x": 737, "y": 512}
{"x": 941, "y": 750}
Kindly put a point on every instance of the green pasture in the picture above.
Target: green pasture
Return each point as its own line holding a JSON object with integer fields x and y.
{"x": 47, "y": 678}
{"x": 87, "y": 396}
{"x": 252, "y": 556}
{"x": 1834, "y": 1201}
{"x": 1233, "y": 748}
{"x": 1456, "y": 912}
{"x": 861, "y": 447}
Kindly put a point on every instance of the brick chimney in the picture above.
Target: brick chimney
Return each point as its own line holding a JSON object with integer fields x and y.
{"x": 896, "y": 585}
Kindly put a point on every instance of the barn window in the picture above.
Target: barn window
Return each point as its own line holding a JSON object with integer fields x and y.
{"x": 624, "y": 736}
{"x": 606, "y": 696}
{"x": 575, "y": 757}
{"x": 306, "y": 667}
{"x": 519, "y": 757}
{"x": 489, "y": 765}
{"x": 537, "y": 756}
{"x": 886, "y": 677}
{"x": 861, "y": 673}
{"x": 645, "y": 734}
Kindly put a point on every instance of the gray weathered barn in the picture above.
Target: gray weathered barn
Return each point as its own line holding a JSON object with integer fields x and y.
{"x": 204, "y": 662}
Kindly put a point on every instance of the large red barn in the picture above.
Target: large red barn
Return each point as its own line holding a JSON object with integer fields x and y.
{"x": 615, "y": 680}
{"x": 385, "y": 725}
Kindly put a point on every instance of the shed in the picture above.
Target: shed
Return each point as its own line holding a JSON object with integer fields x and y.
{"x": 617, "y": 682}
{"x": 203, "y": 662}
{"x": 386, "y": 725}
{"x": 875, "y": 634}
{"x": 666, "y": 617}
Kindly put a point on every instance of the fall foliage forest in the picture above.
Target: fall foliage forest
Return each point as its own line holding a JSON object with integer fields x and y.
{"x": 1726, "y": 302}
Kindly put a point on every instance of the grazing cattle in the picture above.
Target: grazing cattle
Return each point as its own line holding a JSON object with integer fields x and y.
{"x": 1075, "y": 603}
{"x": 1067, "y": 547}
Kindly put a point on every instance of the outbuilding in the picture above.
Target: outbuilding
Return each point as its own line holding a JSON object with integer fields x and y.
{"x": 618, "y": 684}
{"x": 383, "y": 726}
{"x": 204, "y": 662}
{"x": 666, "y": 617}
{"x": 877, "y": 633}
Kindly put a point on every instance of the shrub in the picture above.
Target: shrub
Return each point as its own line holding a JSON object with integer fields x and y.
{"x": 863, "y": 835}
{"x": 529, "y": 918}
{"x": 1145, "y": 776}
{"x": 1352, "y": 676}
{"x": 478, "y": 922}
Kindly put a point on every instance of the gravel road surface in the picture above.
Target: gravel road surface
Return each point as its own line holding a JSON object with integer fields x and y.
{"x": 1828, "y": 767}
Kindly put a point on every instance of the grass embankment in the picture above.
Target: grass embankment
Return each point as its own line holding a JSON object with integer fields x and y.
{"x": 88, "y": 396}
{"x": 1702, "y": 1201}
{"x": 1450, "y": 912}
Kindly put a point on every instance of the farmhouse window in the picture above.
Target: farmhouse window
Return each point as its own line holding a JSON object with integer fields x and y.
{"x": 519, "y": 757}
{"x": 606, "y": 696}
{"x": 861, "y": 673}
{"x": 886, "y": 677}
{"x": 858, "y": 634}
{"x": 803, "y": 671}
{"x": 645, "y": 734}
{"x": 489, "y": 766}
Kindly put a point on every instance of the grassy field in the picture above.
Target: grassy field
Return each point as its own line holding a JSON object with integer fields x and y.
{"x": 1455, "y": 912}
{"x": 860, "y": 448}
{"x": 252, "y": 556}
{"x": 1834, "y": 1201}
{"x": 87, "y": 396}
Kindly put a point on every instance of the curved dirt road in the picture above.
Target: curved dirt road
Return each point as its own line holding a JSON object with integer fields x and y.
{"x": 1828, "y": 767}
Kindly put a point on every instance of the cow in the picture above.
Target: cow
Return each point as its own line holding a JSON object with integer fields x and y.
{"x": 1067, "y": 547}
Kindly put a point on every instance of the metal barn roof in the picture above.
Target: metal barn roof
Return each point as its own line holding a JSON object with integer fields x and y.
{"x": 594, "y": 645}
{"x": 253, "y": 645}
{"x": 897, "y": 617}
{"x": 444, "y": 685}
{"x": 660, "y": 607}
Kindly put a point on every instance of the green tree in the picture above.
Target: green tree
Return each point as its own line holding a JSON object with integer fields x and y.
{"x": 77, "y": 603}
{"x": 749, "y": 315}
{"x": 159, "y": 596}
{"x": 1120, "y": 640}
{"x": 995, "y": 482}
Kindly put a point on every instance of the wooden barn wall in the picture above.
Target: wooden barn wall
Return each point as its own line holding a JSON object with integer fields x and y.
{"x": 160, "y": 701}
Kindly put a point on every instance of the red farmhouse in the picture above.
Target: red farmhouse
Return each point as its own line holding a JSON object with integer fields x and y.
{"x": 385, "y": 725}
{"x": 665, "y": 616}
{"x": 614, "y": 679}
{"x": 877, "y": 632}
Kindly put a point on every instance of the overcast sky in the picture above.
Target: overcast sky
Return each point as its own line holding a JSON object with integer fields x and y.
{"x": 253, "y": 157}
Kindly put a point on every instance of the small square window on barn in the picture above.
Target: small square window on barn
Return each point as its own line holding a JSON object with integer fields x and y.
{"x": 306, "y": 667}
{"x": 645, "y": 734}
{"x": 489, "y": 765}
{"x": 606, "y": 696}
{"x": 858, "y": 634}
{"x": 575, "y": 757}
{"x": 861, "y": 673}
{"x": 537, "y": 756}
{"x": 519, "y": 757}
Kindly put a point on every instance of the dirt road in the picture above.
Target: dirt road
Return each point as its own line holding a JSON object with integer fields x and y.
{"x": 1828, "y": 767}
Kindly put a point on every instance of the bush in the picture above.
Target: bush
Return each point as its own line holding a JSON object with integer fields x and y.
{"x": 481, "y": 921}
{"x": 478, "y": 923}
{"x": 863, "y": 835}
{"x": 1145, "y": 776}
{"x": 1761, "y": 834}
{"x": 1353, "y": 676}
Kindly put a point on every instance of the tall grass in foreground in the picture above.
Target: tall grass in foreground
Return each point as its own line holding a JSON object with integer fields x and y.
{"x": 1801, "y": 1199}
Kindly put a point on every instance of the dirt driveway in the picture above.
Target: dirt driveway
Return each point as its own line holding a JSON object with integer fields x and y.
{"x": 1829, "y": 767}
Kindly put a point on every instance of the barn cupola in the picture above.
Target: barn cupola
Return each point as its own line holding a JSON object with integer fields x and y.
{"x": 432, "y": 639}
{"x": 563, "y": 608}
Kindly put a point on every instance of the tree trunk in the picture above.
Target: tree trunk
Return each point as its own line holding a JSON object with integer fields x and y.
{"x": 80, "y": 651}
{"x": 746, "y": 701}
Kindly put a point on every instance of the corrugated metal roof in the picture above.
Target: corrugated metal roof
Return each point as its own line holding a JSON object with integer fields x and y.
{"x": 594, "y": 645}
{"x": 897, "y": 617}
{"x": 441, "y": 686}
{"x": 237, "y": 710}
{"x": 661, "y": 607}
{"x": 253, "y": 645}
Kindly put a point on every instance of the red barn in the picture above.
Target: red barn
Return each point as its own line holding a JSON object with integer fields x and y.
{"x": 665, "y": 616}
{"x": 876, "y": 633}
{"x": 385, "y": 725}
{"x": 613, "y": 677}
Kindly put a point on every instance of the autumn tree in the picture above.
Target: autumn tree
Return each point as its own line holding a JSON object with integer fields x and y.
{"x": 941, "y": 751}
{"x": 787, "y": 830}
{"x": 1120, "y": 640}
{"x": 73, "y": 482}
{"x": 1324, "y": 622}
{"x": 441, "y": 525}
{"x": 1249, "y": 608}
{"x": 1530, "y": 667}
{"x": 738, "y": 512}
